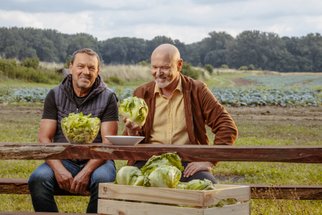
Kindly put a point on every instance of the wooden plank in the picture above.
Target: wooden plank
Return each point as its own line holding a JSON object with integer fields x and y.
{"x": 301, "y": 192}
{"x": 291, "y": 192}
{"x": 114, "y": 207}
{"x": 41, "y": 213}
{"x": 192, "y": 198}
{"x": 144, "y": 151}
{"x": 20, "y": 186}
{"x": 13, "y": 186}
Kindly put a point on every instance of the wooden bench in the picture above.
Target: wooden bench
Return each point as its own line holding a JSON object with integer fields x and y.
{"x": 189, "y": 153}
{"x": 292, "y": 192}
{"x": 39, "y": 213}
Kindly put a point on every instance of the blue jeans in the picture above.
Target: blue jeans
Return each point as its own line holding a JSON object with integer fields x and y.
{"x": 42, "y": 184}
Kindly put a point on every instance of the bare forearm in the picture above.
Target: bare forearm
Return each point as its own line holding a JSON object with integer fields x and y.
{"x": 56, "y": 165}
{"x": 43, "y": 140}
{"x": 92, "y": 165}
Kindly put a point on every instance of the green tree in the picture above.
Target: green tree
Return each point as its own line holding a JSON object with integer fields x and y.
{"x": 209, "y": 68}
{"x": 189, "y": 71}
{"x": 81, "y": 40}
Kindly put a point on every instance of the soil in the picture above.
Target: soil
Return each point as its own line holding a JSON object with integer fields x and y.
{"x": 305, "y": 115}
{"x": 292, "y": 113}
{"x": 273, "y": 113}
{"x": 243, "y": 82}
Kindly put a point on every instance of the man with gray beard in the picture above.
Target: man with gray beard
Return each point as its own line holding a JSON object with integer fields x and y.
{"x": 179, "y": 109}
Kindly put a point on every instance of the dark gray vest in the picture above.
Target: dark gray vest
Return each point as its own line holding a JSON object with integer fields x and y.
{"x": 95, "y": 103}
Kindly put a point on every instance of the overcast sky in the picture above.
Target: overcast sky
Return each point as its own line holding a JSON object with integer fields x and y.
{"x": 186, "y": 20}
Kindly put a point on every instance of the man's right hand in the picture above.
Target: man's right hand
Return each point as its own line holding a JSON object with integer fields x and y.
{"x": 63, "y": 177}
{"x": 132, "y": 129}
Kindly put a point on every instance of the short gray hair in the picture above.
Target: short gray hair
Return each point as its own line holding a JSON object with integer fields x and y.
{"x": 88, "y": 51}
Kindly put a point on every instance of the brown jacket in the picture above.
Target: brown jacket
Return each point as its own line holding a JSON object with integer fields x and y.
{"x": 201, "y": 108}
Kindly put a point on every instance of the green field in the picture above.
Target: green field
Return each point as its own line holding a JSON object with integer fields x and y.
{"x": 258, "y": 126}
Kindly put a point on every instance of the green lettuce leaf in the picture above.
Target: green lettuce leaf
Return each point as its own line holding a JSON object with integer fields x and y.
{"x": 135, "y": 109}
{"x": 79, "y": 128}
{"x": 170, "y": 159}
{"x": 198, "y": 184}
{"x": 163, "y": 176}
{"x": 129, "y": 175}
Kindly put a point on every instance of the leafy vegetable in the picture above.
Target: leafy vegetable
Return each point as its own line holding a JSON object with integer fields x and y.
{"x": 129, "y": 175}
{"x": 198, "y": 184}
{"x": 228, "y": 201}
{"x": 181, "y": 185}
{"x": 160, "y": 171}
{"x": 164, "y": 176}
{"x": 135, "y": 109}
{"x": 79, "y": 128}
{"x": 170, "y": 159}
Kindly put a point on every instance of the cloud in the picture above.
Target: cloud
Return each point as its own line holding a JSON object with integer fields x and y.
{"x": 186, "y": 20}
{"x": 39, "y": 6}
{"x": 64, "y": 22}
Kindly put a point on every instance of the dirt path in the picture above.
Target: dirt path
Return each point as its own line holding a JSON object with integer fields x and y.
{"x": 255, "y": 113}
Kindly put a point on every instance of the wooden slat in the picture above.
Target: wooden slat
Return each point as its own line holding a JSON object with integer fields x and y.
{"x": 291, "y": 192}
{"x": 13, "y": 186}
{"x": 145, "y": 151}
{"x": 113, "y": 207}
{"x": 20, "y": 186}
{"x": 191, "y": 198}
{"x": 40, "y": 213}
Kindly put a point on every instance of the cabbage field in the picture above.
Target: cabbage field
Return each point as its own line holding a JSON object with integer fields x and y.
{"x": 240, "y": 89}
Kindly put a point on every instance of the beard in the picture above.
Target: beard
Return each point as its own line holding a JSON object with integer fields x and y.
{"x": 163, "y": 81}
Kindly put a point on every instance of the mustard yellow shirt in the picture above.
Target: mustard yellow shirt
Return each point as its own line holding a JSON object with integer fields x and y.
{"x": 169, "y": 124}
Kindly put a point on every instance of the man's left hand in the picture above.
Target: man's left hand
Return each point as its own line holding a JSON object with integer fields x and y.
{"x": 195, "y": 167}
{"x": 80, "y": 183}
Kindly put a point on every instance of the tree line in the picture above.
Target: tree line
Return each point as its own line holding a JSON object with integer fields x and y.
{"x": 248, "y": 50}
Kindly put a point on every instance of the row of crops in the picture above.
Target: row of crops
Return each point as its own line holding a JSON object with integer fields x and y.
{"x": 286, "y": 81}
{"x": 227, "y": 96}
{"x": 267, "y": 97}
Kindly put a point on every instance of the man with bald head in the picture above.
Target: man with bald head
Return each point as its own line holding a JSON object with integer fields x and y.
{"x": 179, "y": 110}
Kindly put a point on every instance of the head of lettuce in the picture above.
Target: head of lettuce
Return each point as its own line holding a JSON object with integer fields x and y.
{"x": 79, "y": 128}
{"x": 135, "y": 109}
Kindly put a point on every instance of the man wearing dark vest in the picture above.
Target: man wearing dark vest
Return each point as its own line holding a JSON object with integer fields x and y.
{"x": 81, "y": 91}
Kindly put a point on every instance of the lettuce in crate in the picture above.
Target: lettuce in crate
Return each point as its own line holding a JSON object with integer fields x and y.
{"x": 163, "y": 176}
{"x": 196, "y": 184}
{"x": 169, "y": 159}
{"x": 129, "y": 175}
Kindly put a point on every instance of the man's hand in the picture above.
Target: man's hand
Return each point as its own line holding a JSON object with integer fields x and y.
{"x": 80, "y": 183}
{"x": 132, "y": 129}
{"x": 64, "y": 179}
{"x": 194, "y": 167}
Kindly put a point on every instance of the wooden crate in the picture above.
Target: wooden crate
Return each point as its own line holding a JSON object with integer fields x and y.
{"x": 132, "y": 200}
